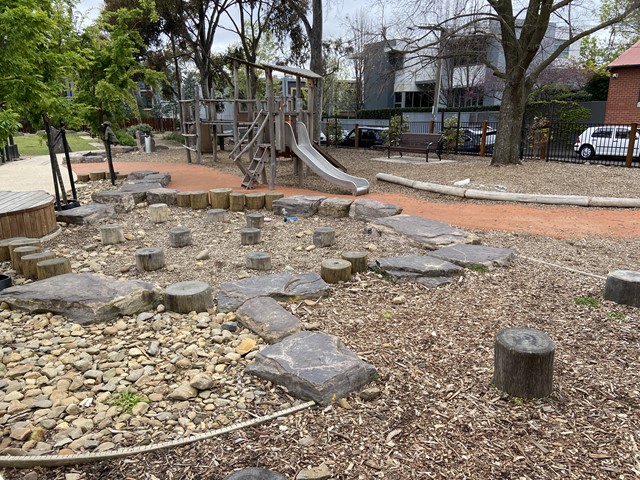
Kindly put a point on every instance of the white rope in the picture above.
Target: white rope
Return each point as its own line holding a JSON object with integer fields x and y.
{"x": 542, "y": 262}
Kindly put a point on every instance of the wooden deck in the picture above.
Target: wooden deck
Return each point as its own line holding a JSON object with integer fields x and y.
{"x": 26, "y": 214}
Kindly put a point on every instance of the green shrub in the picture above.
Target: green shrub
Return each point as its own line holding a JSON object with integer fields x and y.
{"x": 173, "y": 136}
{"x": 125, "y": 139}
{"x": 397, "y": 125}
{"x": 143, "y": 128}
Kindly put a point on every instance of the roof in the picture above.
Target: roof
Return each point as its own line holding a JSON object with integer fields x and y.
{"x": 630, "y": 58}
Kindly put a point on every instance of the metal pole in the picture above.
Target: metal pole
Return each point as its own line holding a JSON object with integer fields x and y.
{"x": 65, "y": 144}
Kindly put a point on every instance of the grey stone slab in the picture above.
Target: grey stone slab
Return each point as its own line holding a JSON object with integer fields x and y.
{"x": 298, "y": 205}
{"x": 280, "y": 286}
{"x": 139, "y": 190}
{"x": 84, "y": 297}
{"x": 475, "y": 255}
{"x": 268, "y": 319}
{"x": 254, "y": 473}
{"x": 313, "y": 366}
{"x": 86, "y": 214}
{"x": 423, "y": 232}
{"x": 367, "y": 210}
{"x": 163, "y": 179}
{"x": 162, "y": 195}
{"x": 121, "y": 201}
{"x": 335, "y": 207}
{"x": 423, "y": 265}
{"x": 140, "y": 174}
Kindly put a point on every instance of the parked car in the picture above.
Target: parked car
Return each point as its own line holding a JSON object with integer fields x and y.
{"x": 606, "y": 141}
{"x": 369, "y": 137}
{"x": 472, "y": 139}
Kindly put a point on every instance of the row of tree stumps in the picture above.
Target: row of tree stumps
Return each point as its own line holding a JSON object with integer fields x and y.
{"x": 29, "y": 260}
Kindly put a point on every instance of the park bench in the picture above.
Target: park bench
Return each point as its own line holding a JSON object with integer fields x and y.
{"x": 418, "y": 143}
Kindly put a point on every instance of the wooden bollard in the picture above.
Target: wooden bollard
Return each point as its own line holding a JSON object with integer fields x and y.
{"x": 199, "y": 200}
{"x": 250, "y": 236}
{"x": 216, "y": 215}
{"x": 159, "y": 213}
{"x": 183, "y": 199}
{"x": 180, "y": 237}
{"x": 5, "y": 255}
{"x": 111, "y": 234}
{"x": 236, "y": 201}
{"x": 623, "y": 286}
{"x": 53, "y": 267}
{"x": 219, "y": 197}
{"x": 190, "y": 296}
{"x": 97, "y": 176}
{"x": 324, "y": 236}
{"x": 149, "y": 259}
{"x": 254, "y": 201}
{"x": 358, "y": 261}
{"x": 523, "y": 365}
{"x": 82, "y": 177}
{"x": 258, "y": 261}
{"x": 29, "y": 263}
{"x": 334, "y": 270}
{"x": 271, "y": 197}
{"x": 254, "y": 220}
{"x": 27, "y": 242}
{"x": 20, "y": 252}
{"x": 122, "y": 176}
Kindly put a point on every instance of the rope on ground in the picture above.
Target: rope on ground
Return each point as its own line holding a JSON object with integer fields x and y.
{"x": 31, "y": 461}
{"x": 548, "y": 264}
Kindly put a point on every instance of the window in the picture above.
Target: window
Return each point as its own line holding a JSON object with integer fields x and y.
{"x": 397, "y": 100}
{"x": 622, "y": 133}
{"x": 602, "y": 133}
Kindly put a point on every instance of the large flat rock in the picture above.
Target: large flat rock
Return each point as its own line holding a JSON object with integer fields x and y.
{"x": 425, "y": 269}
{"x": 267, "y": 318}
{"x": 280, "y": 286}
{"x": 475, "y": 256}
{"x": 297, "y": 205}
{"x": 86, "y": 214}
{"x": 423, "y": 232}
{"x": 83, "y": 297}
{"x": 313, "y": 366}
{"x": 121, "y": 201}
{"x": 139, "y": 190}
{"x": 366, "y": 210}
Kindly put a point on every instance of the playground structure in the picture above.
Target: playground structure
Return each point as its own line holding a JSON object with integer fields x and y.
{"x": 265, "y": 130}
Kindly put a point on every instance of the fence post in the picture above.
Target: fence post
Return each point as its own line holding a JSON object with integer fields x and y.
{"x": 483, "y": 141}
{"x": 632, "y": 141}
{"x": 357, "y": 134}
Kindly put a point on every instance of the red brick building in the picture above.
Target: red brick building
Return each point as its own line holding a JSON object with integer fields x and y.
{"x": 623, "y": 100}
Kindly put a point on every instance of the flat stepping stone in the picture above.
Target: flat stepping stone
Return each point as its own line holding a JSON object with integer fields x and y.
{"x": 121, "y": 201}
{"x": 280, "y": 286}
{"x": 86, "y": 214}
{"x": 335, "y": 208}
{"x": 268, "y": 319}
{"x": 254, "y": 473}
{"x": 420, "y": 231}
{"x": 297, "y": 205}
{"x": 139, "y": 190}
{"x": 83, "y": 297}
{"x": 163, "y": 179}
{"x": 367, "y": 210}
{"x": 313, "y": 366}
{"x": 623, "y": 286}
{"x": 424, "y": 269}
{"x": 475, "y": 256}
{"x": 140, "y": 174}
{"x": 162, "y": 195}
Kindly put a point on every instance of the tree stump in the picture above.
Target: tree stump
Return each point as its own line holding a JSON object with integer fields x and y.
{"x": 271, "y": 197}
{"x": 29, "y": 263}
{"x": 122, "y": 176}
{"x": 199, "y": 200}
{"x": 216, "y": 215}
{"x": 5, "y": 255}
{"x": 111, "y": 234}
{"x": 149, "y": 259}
{"x": 20, "y": 252}
{"x": 190, "y": 296}
{"x": 82, "y": 177}
{"x": 250, "y": 236}
{"x": 334, "y": 270}
{"x": 219, "y": 197}
{"x": 183, "y": 199}
{"x": 623, "y": 286}
{"x": 254, "y": 201}
{"x": 358, "y": 261}
{"x": 324, "y": 236}
{"x": 159, "y": 213}
{"x": 180, "y": 237}
{"x": 255, "y": 220}
{"x": 97, "y": 176}
{"x": 27, "y": 242}
{"x": 258, "y": 261}
{"x": 236, "y": 201}
{"x": 523, "y": 365}
{"x": 53, "y": 267}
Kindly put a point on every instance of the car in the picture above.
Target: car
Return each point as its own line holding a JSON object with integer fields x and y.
{"x": 605, "y": 141}
{"x": 323, "y": 138}
{"x": 368, "y": 137}
{"x": 471, "y": 140}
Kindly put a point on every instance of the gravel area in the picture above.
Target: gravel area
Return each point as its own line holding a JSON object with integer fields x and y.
{"x": 438, "y": 415}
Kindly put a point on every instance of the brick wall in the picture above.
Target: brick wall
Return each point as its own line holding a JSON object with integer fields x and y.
{"x": 624, "y": 96}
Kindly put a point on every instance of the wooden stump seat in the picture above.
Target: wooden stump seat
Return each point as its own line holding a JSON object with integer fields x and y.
{"x": 53, "y": 267}
{"x": 189, "y": 296}
{"x": 334, "y": 270}
{"x": 258, "y": 261}
{"x": 149, "y": 259}
{"x": 180, "y": 237}
{"x": 358, "y": 261}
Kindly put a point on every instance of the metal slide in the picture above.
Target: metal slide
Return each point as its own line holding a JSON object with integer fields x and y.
{"x": 311, "y": 157}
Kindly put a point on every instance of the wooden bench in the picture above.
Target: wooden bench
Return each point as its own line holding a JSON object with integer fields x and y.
{"x": 418, "y": 143}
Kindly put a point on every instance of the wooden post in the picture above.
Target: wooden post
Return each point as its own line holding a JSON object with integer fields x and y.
{"x": 27, "y": 242}
{"x": 29, "y": 263}
{"x": 111, "y": 234}
{"x": 159, "y": 213}
{"x": 219, "y": 197}
{"x": 524, "y": 362}
{"x": 324, "y": 236}
{"x": 623, "y": 286}
{"x": 216, "y": 215}
{"x": 236, "y": 201}
{"x": 255, "y": 220}
{"x": 632, "y": 141}
{"x": 357, "y": 134}
{"x": 19, "y": 252}
{"x": 94, "y": 176}
{"x": 149, "y": 259}
{"x": 190, "y": 296}
{"x": 53, "y": 267}
{"x": 254, "y": 201}
{"x": 196, "y": 118}
{"x": 180, "y": 237}
{"x": 183, "y": 199}
{"x": 258, "y": 261}
{"x": 82, "y": 177}
{"x": 334, "y": 270}
{"x": 5, "y": 255}
{"x": 358, "y": 261}
{"x": 483, "y": 138}
{"x": 271, "y": 112}
{"x": 199, "y": 200}
{"x": 250, "y": 236}
{"x": 271, "y": 197}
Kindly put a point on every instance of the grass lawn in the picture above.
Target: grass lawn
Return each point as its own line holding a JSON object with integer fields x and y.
{"x": 35, "y": 144}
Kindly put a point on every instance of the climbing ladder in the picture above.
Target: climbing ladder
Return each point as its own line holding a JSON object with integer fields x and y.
{"x": 256, "y": 166}
{"x": 259, "y": 157}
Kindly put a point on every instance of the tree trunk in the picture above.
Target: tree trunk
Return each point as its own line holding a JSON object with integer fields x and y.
{"x": 514, "y": 100}
{"x": 315, "y": 64}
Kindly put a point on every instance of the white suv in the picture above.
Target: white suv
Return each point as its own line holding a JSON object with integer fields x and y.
{"x": 606, "y": 141}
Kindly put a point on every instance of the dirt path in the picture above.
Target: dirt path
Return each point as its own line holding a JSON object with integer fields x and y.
{"x": 565, "y": 222}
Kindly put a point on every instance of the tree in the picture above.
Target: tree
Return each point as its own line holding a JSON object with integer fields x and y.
{"x": 362, "y": 34}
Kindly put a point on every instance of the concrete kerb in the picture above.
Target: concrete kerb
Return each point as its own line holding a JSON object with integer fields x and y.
{"x": 572, "y": 200}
